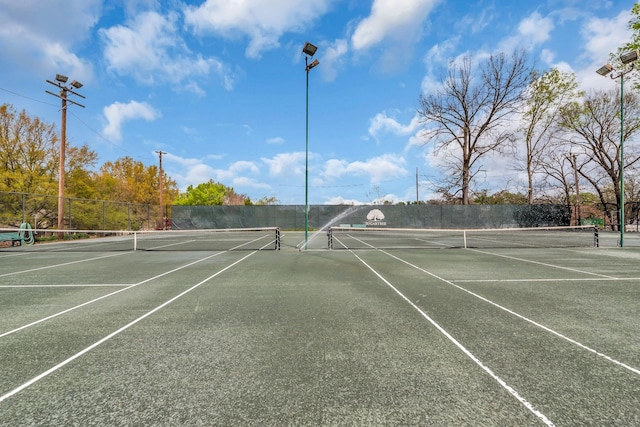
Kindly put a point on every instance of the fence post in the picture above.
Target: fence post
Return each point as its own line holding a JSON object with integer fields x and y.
{"x": 70, "y": 225}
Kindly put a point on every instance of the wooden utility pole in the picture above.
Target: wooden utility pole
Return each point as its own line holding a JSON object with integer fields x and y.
{"x": 63, "y": 95}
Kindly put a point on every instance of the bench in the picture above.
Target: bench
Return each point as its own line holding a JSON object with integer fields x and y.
{"x": 20, "y": 236}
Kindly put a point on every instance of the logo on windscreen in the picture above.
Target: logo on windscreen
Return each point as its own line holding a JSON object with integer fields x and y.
{"x": 375, "y": 218}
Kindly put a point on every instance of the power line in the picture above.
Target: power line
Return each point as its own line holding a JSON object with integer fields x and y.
{"x": 97, "y": 133}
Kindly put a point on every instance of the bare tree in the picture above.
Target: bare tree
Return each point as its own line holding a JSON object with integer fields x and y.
{"x": 594, "y": 127}
{"x": 468, "y": 117}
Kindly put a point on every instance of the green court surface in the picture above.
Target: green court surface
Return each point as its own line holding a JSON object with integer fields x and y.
{"x": 443, "y": 337}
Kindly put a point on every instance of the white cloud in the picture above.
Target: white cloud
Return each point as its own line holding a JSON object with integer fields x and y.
{"x": 333, "y": 58}
{"x": 378, "y": 169}
{"x": 32, "y": 36}
{"x": 276, "y": 140}
{"x": 118, "y": 113}
{"x": 244, "y": 181}
{"x": 235, "y": 173}
{"x": 193, "y": 171}
{"x": 532, "y": 31}
{"x": 150, "y": 49}
{"x": 536, "y": 28}
{"x": 263, "y": 21}
{"x": 242, "y": 166}
{"x": 390, "y": 19}
{"x": 602, "y": 37}
{"x": 286, "y": 163}
{"x": 383, "y": 123}
{"x": 395, "y": 27}
{"x": 187, "y": 171}
{"x": 339, "y": 200}
{"x": 335, "y": 168}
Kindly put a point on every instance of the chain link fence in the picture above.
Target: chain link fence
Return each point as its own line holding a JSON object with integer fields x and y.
{"x": 41, "y": 211}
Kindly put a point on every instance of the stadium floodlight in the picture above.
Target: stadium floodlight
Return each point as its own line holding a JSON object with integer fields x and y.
{"x": 605, "y": 69}
{"x": 308, "y": 50}
{"x": 626, "y": 59}
{"x": 63, "y": 95}
{"x": 313, "y": 64}
{"x": 629, "y": 57}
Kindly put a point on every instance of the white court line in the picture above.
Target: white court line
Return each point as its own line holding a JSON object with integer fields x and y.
{"x": 113, "y": 334}
{"x": 77, "y": 285}
{"x": 573, "y": 279}
{"x": 106, "y": 296}
{"x": 520, "y": 316}
{"x": 470, "y": 355}
{"x": 62, "y": 264}
{"x": 543, "y": 264}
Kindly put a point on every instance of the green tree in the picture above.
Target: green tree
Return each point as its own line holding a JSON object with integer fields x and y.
{"x": 547, "y": 92}
{"x": 28, "y": 153}
{"x": 500, "y": 198}
{"x": 130, "y": 181}
{"x": 634, "y": 43}
{"x": 209, "y": 193}
{"x": 267, "y": 201}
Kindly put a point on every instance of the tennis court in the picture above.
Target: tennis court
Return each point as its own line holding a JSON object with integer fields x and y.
{"x": 274, "y": 335}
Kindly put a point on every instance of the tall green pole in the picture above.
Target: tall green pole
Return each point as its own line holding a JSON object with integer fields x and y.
{"x": 622, "y": 223}
{"x": 306, "y": 164}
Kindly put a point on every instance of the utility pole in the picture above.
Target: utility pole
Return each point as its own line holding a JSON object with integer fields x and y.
{"x": 63, "y": 95}
{"x": 162, "y": 213}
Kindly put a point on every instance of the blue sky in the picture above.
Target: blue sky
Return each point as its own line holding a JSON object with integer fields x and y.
{"x": 219, "y": 85}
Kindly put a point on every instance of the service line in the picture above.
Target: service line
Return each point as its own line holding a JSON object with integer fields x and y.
{"x": 124, "y": 328}
{"x": 520, "y": 316}
{"x": 104, "y": 296}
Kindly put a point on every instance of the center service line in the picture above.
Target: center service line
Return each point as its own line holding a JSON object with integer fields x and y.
{"x": 113, "y": 334}
{"x": 470, "y": 355}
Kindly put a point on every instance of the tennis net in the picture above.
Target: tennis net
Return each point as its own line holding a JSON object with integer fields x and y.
{"x": 410, "y": 238}
{"x": 265, "y": 238}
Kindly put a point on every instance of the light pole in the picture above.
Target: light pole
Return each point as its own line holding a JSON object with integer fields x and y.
{"x": 625, "y": 58}
{"x": 308, "y": 50}
{"x": 64, "y": 90}
{"x": 163, "y": 219}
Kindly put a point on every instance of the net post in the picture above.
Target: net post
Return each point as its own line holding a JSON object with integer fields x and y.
{"x": 277, "y": 238}
{"x": 135, "y": 241}
{"x": 464, "y": 238}
{"x": 596, "y": 239}
{"x": 330, "y": 238}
